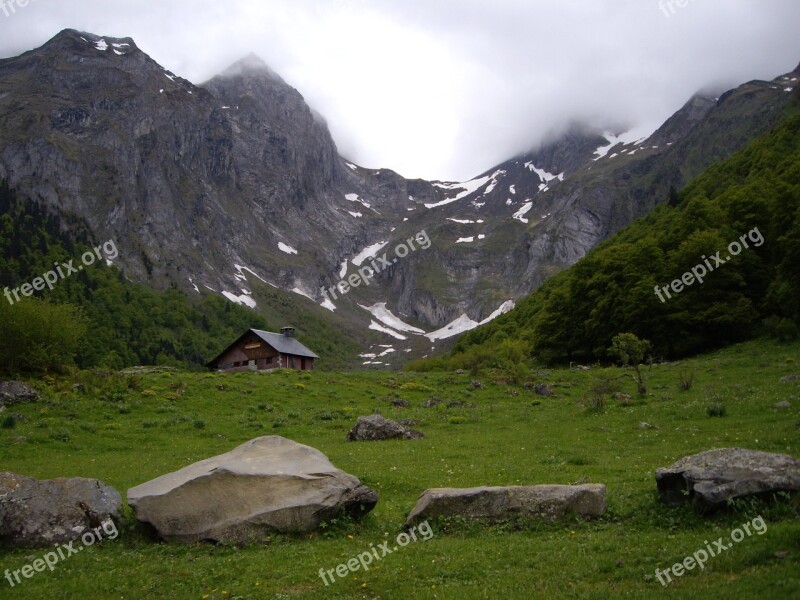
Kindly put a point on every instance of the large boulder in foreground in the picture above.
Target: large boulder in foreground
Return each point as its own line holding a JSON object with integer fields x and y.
{"x": 548, "y": 502}
{"x": 376, "y": 427}
{"x": 16, "y": 392}
{"x": 267, "y": 485}
{"x": 40, "y": 513}
{"x": 709, "y": 479}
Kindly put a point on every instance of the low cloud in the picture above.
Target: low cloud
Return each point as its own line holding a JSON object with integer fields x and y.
{"x": 446, "y": 89}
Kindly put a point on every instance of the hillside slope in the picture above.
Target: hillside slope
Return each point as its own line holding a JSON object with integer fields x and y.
{"x": 739, "y": 222}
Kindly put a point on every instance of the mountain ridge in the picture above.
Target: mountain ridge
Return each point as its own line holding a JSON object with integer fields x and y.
{"x": 206, "y": 186}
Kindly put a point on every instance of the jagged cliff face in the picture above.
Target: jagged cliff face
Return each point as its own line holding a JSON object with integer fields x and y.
{"x": 235, "y": 183}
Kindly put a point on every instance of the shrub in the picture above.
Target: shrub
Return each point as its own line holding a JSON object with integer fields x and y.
{"x": 199, "y": 424}
{"x": 61, "y": 435}
{"x": 783, "y": 330}
{"x": 685, "y": 381}
{"x": 457, "y": 420}
{"x": 717, "y": 409}
{"x": 8, "y": 422}
{"x": 29, "y": 341}
{"x": 135, "y": 383}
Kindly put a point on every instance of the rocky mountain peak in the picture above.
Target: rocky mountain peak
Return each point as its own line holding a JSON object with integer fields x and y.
{"x": 251, "y": 64}
{"x": 72, "y": 40}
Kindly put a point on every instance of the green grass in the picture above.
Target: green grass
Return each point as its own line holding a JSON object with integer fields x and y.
{"x": 127, "y": 430}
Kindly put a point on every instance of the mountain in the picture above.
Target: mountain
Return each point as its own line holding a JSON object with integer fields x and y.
{"x": 236, "y": 187}
{"x": 718, "y": 264}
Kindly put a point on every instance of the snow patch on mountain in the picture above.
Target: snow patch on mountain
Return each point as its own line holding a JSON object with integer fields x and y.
{"x": 467, "y": 188}
{"x": 300, "y": 292}
{"x": 367, "y": 252}
{"x": 357, "y": 198}
{"x": 633, "y": 137}
{"x": 385, "y": 316}
{"x": 244, "y": 299}
{"x": 464, "y": 323}
{"x": 378, "y": 327}
{"x": 543, "y": 175}
{"x": 240, "y": 275}
{"x": 524, "y": 210}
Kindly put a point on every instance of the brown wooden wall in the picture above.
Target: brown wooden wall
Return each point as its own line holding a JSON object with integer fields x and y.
{"x": 252, "y": 347}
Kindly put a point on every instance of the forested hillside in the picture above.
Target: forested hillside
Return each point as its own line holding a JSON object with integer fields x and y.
{"x": 752, "y": 199}
{"x": 96, "y": 316}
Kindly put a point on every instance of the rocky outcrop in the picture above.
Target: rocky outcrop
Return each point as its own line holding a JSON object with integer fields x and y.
{"x": 16, "y": 392}
{"x": 267, "y": 485}
{"x": 376, "y": 427}
{"x": 40, "y": 513}
{"x": 547, "y": 502}
{"x": 710, "y": 479}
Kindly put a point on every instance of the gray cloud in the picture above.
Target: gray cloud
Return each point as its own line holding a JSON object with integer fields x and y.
{"x": 445, "y": 89}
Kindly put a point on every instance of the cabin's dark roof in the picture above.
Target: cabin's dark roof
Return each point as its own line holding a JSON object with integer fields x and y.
{"x": 284, "y": 344}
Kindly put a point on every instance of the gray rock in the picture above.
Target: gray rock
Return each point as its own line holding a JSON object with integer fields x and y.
{"x": 40, "y": 513}
{"x": 376, "y": 427}
{"x": 16, "y": 392}
{"x": 783, "y": 404}
{"x": 709, "y": 479}
{"x": 542, "y": 389}
{"x": 400, "y": 403}
{"x": 790, "y": 378}
{"x": 267, "y": 485}
{"x": 547, "y": 502}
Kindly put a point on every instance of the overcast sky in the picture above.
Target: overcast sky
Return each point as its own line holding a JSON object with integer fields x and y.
{"x": 446, "y": 89}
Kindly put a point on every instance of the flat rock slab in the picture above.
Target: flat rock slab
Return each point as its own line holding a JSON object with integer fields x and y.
{"x": 548, "y": 502}
{"x": 40, "y": 513}
{"x": 375, "y": 428}
{"x": 710, "y": 479}
{"x": 267, "y": 485}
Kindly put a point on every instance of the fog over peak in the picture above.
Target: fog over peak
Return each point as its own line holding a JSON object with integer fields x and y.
{"x": 445, "y": 89}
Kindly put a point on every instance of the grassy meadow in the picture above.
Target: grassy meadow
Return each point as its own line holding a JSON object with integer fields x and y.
{"x": 127, "y": 429}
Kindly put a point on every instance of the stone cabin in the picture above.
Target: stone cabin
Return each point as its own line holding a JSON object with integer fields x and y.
{"x": 257, "y": 350}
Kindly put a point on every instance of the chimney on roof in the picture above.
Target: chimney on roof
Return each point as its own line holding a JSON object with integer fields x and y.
{"x": 288, "y": 331}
